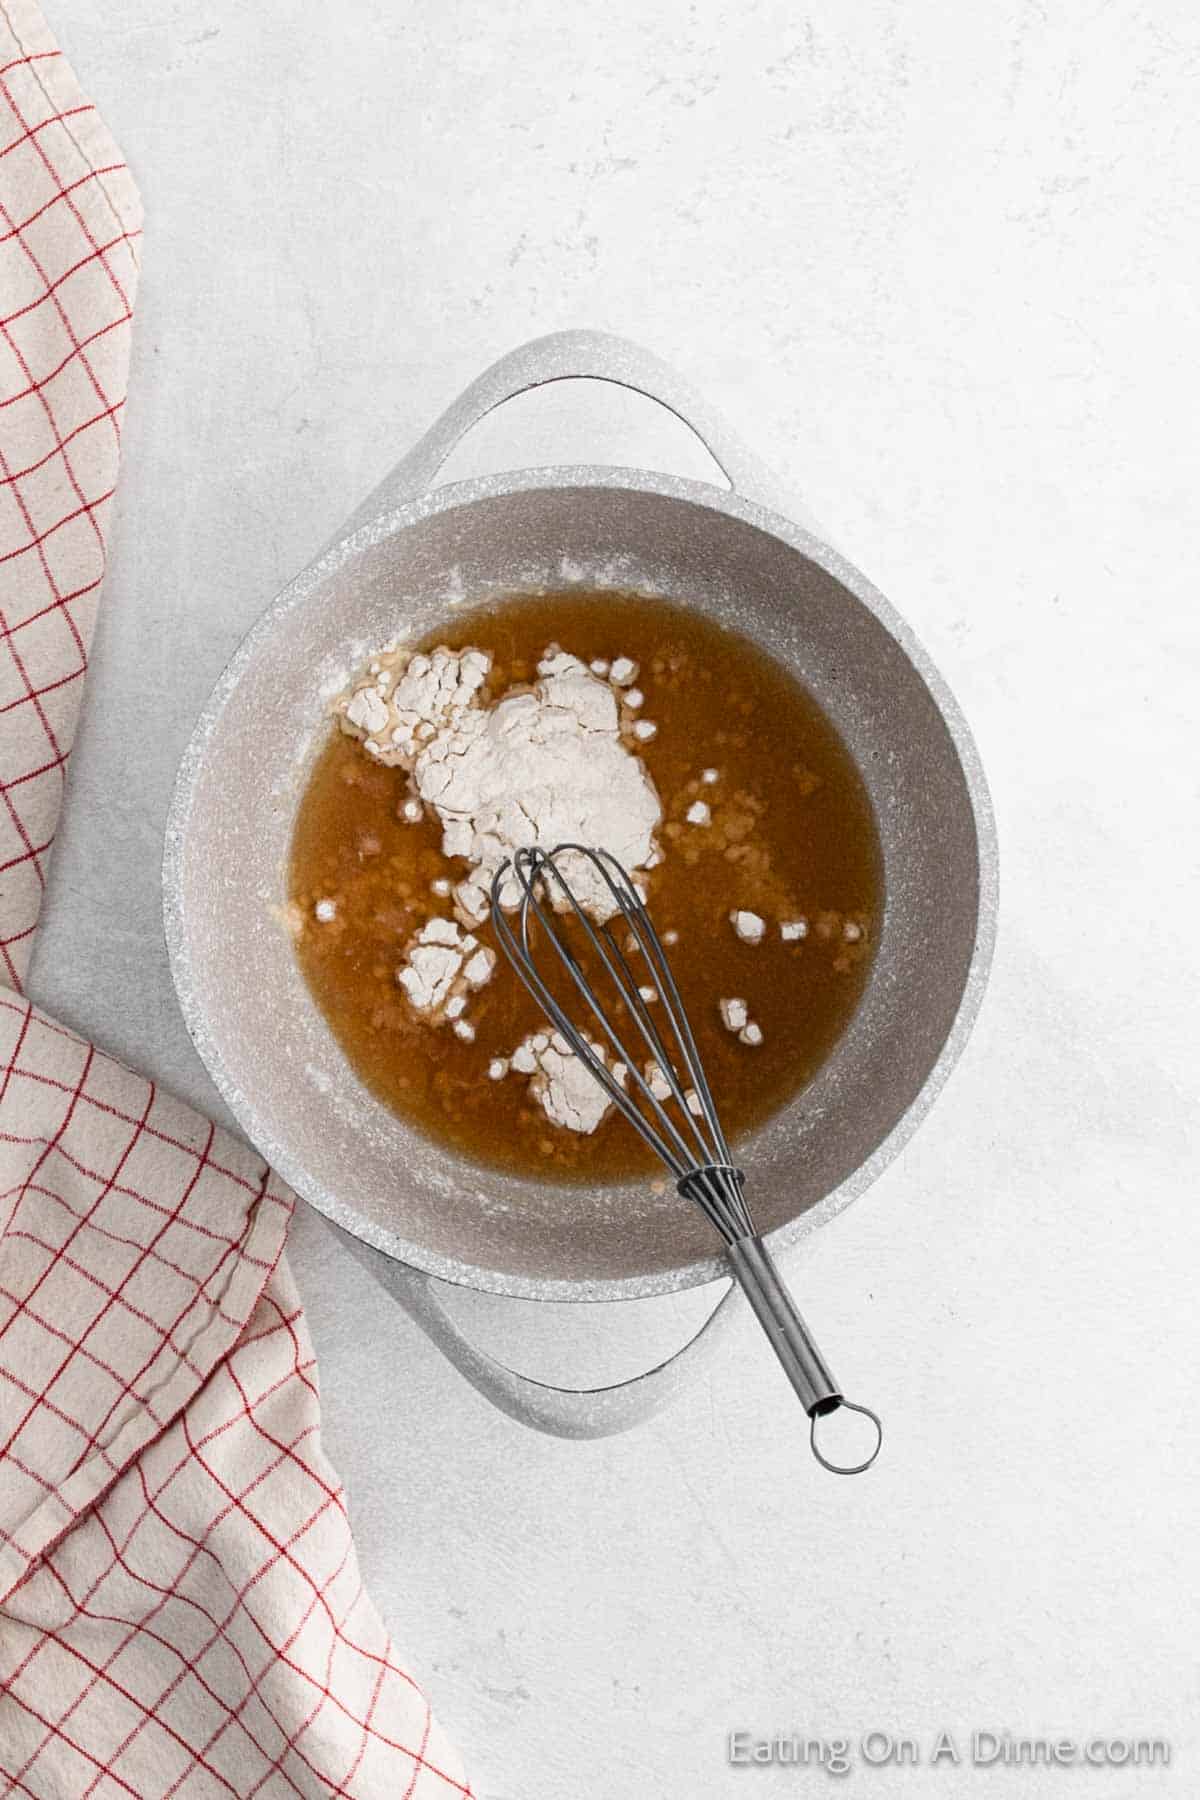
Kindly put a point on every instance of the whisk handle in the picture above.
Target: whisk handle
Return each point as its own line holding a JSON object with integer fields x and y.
{"x": 801, "y": 1359}
{"x": 803, "y": 1363}
{"x": 780, "y": 1318}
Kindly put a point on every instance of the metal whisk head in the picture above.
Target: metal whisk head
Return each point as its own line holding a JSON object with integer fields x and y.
{"x": 605, "y": 1020}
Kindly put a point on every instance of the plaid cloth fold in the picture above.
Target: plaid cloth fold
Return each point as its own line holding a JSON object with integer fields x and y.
{"x": 181, "y": 1611}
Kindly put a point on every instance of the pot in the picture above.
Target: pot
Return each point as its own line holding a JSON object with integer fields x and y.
{"x": 744, "y": 555}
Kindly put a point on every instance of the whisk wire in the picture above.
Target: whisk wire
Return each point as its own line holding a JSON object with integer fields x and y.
{"x": 705, "y": 1174}
{"x": 654, "y": 952}
{"x": 636, "y": 917}
{"x": 661, "y": 1054}
{"x": 533, "y": 867}
{"x": 671, "y": 1147}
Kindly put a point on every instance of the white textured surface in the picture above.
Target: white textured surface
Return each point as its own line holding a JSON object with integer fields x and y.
{"x": 938, "y": 266}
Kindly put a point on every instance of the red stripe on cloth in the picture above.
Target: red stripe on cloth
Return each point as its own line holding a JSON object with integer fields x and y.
{"x": 85, "y": 343}
{"x": 70, "y": 112}
{"x": 62, "y": 193}
{"x": 23, "y": 62}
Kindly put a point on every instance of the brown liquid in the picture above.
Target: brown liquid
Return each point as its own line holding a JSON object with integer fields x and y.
{"x": 793, "y": 837}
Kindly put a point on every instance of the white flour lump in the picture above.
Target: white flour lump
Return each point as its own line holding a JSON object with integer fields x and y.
{"x": 748, "y": 926}
{"x": 542, "y": 765}
{"x": 735, "y": 1016}
{"x": 443, "y": 963}
{"x": 402, "y": 714}
{"x": 566, "y": 1089}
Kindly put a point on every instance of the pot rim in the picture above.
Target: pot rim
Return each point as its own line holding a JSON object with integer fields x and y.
{"x": 390, "y": 522}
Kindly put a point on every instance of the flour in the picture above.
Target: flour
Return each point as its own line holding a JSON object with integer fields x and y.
{"x": 543, "y": 765}
{"x": 657, "y": 1082}
{"x": 426, "y": 695}
{"x": 735, "y": 1016}
{"x": 748, "y": 926}
{"x": 443, "y": 964}
{"x": 565, "y": 1088}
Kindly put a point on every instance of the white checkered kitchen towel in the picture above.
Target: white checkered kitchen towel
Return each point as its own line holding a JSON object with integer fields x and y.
{"x": 181, "y": 1611}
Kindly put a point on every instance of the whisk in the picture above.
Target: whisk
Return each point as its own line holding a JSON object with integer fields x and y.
{"x": 670, "y": 1104}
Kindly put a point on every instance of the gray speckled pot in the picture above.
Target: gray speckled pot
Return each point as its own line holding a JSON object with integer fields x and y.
{"x": 410, "y": 554}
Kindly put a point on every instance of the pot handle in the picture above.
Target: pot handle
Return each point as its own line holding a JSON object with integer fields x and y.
{"x": 591, "y": 356}
{"x": 558, "y": 1411}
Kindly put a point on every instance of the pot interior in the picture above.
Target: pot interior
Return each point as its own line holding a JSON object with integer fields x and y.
{"x": 267, "y": 1045}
